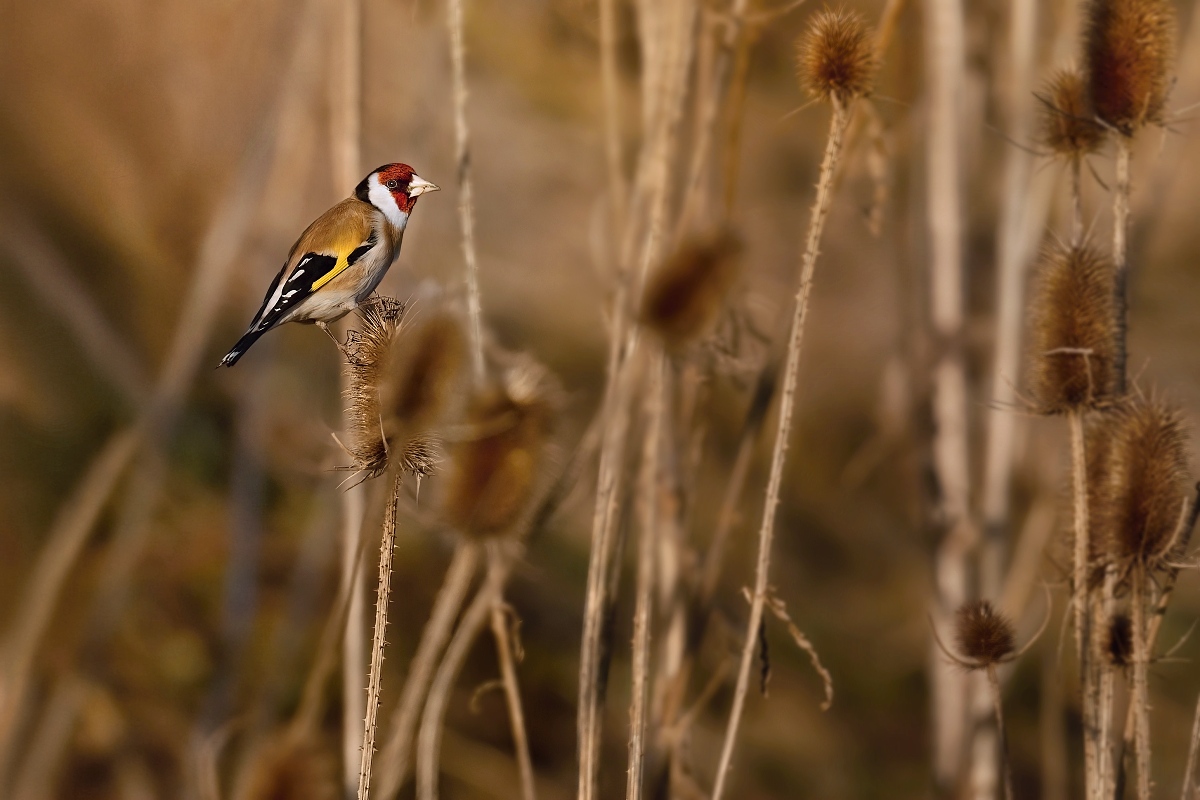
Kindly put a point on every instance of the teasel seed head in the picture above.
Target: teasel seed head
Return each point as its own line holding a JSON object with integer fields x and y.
{"x": 289, "y": 768}
{"x": 1075, "y": 332}
{"x": 368, "y": 352}
{"x": 985, "y": 636}
{"x": 1068, "y": 123}
{"x": 497, "y": 466}
{"x": 1148, "y": 480}
{"x": 1118, "y": 641}
{"x": 685, "y": 295}
{"x": 836, "y": 56}
{"x": 1129, "y": 47}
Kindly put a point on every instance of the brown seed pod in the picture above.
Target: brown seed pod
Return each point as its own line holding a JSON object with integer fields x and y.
{"x": 1129, "y": 48}
{"x": 1068, "y": 123}
{"x": 287, "y": 768}
{"x": 1147, "y": 486}
{"x": 984, "y": 635}
{"x": 368, "y": 352}
{"x": 685, "y": 295}
{"x": 836, "y": 56}
{"x": 1075, "y": 331}
{"x": 496, "y": 468}
{"x": 1118, "y": 641}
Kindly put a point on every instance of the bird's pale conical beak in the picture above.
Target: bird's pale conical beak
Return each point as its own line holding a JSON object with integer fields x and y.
{"x": 419, "y": 186}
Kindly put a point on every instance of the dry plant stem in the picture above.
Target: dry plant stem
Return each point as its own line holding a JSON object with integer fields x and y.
{"x": 462, "y": 157}
{"x": 1121, "y": 256}
{"x": 1140, "y": 699}
{"x": 1076, "y": 201}
{"x": 998, "y": 707}
{"x": 58, "y": 556}
{"x": 837, "y": 130}
{"x": 1189, "y": 771}
{"x": 648, "y": 516}
{"x": 610, "y": 83}
{"x": 1079, "y": 598}
{"x": 1104, "y": 610}
{"x": 473, "y": 620}
{"x": 345, "y": 137}
{"x": 397, "y": 749}
{"x": 512, "y": 695}
{"x": 383, "y": 595}
{"x": 944, "y": 52}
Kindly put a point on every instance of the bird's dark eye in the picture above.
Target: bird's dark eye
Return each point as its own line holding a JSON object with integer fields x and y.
{"x": 391, "y": 184}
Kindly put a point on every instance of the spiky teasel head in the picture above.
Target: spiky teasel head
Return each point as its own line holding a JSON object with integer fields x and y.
{"x": 1129, "y": 47}
{"x": 836, "y": 56}
{"x": 685, "y": 295}
{"x": 1068, "y": 123}
{"x": 1074, "y": 340}
{"x": 371, "y": 355}
{"x": 289, "y": 768}
{"x": 1118, "y": 641}
{"x": 985, "y": 636}
{"x": 1147, "y": 481}
{"x": 498, "y": 463}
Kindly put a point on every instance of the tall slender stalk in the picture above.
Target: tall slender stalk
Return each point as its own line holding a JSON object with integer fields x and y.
{"x": 833, "y": 147}
{"x": 512, "y": 695}
{"x": 1140, "y": 699}
{"x": 1120, "y": 255}
{"x": 998, "y": 706}
{"x": 1079, "y": 601}
{"x": 387, "y": 549}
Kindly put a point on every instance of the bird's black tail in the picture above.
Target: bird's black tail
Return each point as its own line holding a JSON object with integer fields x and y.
{"x": 243, "y": 344}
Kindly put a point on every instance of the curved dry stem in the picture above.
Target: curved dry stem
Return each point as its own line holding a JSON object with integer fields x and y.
{"x": 837, "y": 130}
{"x": 429, "y": 739}
{"x": 998, "y": 706}
{"x": 397, "y": 750}
{"x": 512, "y": 695}
{"x": 466, "y": 200}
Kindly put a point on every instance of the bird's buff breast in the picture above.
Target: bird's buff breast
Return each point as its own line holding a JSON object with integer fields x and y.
{"x": 344, "y": 293}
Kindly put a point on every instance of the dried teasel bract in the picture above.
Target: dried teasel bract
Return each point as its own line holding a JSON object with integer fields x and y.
{"x": 370, "y": 355}
{"x": 685, "y": 295}
{"x": 1118, "y": 641}
{"x": 1068, "y": 124}
{"x": 497, "y": 464}
{"x": 1075, "y": 335}
{"x": 1143, "y": 501}
{"x": 1129, "y": 47}
{"x": 985, "y": 636}
{"x": 836, "y": 56}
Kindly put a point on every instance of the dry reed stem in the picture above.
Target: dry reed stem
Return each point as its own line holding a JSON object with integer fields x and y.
{"x": 998, "y": 707}
{"x": 64, "y": 543}
{"x": 944, "y": 49}
{"x": 1079, "y": 594}
{"x": 1076, "y": 172}
{"x": 345, "y": 135}
{"x": 1189, "y": 771}
{"x": 36, "y": 778}
{"x": 837, "y": 130}
{"x": 434, "y": 717}
{"x": 1105, "y": 611}
{"x": 648, "y": 519}
{"x": 1120, "y": 256}
{"x": 462, "y": 159}
{"x": 383, "y": 595}
{"x": 403, "y": 724}
{"x": 610, "y": 84}
{"x": 512, "y": 696}
{"x": 1140, "y": 698}
{"x": 663, "y": 95}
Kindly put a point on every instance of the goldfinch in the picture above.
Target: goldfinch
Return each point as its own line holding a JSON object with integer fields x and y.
{"x": 340, "y": 258}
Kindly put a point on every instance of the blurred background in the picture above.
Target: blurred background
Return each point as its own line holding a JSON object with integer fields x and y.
{"x": 158, "y": 158}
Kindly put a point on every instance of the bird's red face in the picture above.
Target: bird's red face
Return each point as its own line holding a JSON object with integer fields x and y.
{"x": 397, "y": 181}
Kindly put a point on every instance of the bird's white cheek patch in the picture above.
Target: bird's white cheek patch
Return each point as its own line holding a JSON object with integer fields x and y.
{"x": 382, "y": 199}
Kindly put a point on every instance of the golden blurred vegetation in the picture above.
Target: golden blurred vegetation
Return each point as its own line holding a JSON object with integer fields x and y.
{"x": 157, "y": 159}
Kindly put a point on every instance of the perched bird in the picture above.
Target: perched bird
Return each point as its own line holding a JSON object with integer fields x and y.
{"x": 340, "y": 258}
